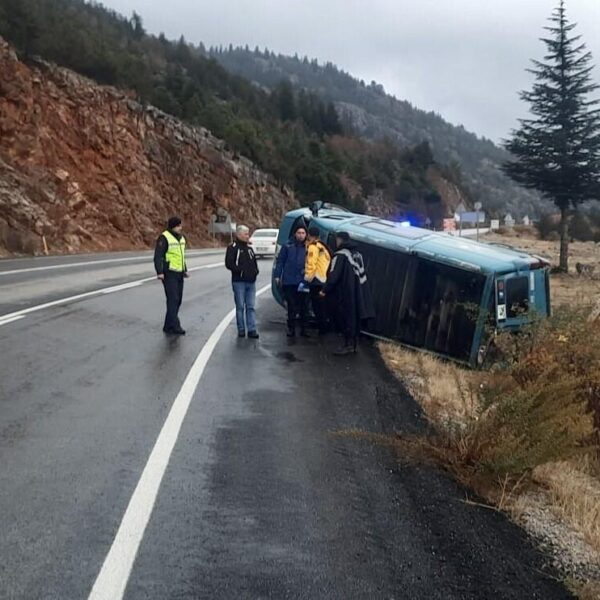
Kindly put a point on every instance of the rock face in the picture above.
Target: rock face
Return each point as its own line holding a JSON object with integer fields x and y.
{"x": 87, "y": 168}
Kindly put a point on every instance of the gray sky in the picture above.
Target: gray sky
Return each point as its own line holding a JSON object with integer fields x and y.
{"x": 464, "y": 59}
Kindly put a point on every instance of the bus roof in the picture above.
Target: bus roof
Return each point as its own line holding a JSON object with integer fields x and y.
{"x": 457, "y": 251}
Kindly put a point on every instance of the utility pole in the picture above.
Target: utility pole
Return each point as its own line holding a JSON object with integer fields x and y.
{"x": 477, "y": 209}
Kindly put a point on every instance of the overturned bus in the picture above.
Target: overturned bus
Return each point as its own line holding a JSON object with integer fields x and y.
{"x": 433, "y": 291}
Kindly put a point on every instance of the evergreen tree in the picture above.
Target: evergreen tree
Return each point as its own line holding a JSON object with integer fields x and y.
{"x": 332, "y": 123}
{"x": 286, "y": 101}
{"x": 557, "y": 151}
{"x": 138, "y": 26}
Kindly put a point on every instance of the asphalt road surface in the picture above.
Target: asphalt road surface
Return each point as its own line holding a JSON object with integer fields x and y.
{"x": 138, "y": 465}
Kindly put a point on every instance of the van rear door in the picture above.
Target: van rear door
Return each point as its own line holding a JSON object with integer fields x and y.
{"x": 514, "y": 298}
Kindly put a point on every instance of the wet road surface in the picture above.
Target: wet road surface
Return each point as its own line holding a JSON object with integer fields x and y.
{"x": 259, "y": 499}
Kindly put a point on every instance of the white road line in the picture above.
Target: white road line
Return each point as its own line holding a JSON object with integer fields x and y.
{"x": 125, "y": 286}
{"x": 116, "y": 569}
{"x": 95, "y": 262}
{"x": 6, "y": 321}
{"x": 108, "y": 290}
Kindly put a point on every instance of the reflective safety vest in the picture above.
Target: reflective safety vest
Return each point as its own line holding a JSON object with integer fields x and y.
{"x": 175, "y": 256}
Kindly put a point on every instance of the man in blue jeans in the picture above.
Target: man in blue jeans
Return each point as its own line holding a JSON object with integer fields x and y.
{"x": 241, "y": 261}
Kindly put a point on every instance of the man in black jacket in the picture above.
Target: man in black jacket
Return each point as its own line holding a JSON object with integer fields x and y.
{"x": 171, "y": 269}
{"x": 347, "y": 287}
{"x": 241, "y": 261}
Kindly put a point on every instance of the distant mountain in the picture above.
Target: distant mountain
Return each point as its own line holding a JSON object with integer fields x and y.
{"x": 370, "y": 112}
{"x": 292, "y": 134}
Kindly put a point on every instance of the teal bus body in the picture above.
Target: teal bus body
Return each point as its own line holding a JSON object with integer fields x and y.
{"x": 433, "y": 291}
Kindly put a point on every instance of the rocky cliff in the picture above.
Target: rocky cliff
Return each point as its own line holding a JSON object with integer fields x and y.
{"x": 85, "y": 167}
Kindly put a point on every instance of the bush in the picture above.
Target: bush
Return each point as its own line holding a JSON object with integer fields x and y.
{"x": 541, "y": 404}
{"x": 548, "y": 225}
{"x": 581, "y": 229}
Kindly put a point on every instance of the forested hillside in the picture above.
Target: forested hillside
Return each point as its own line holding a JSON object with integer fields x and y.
{"x": 366, "y": 109}
{"x": 291, "y": 133}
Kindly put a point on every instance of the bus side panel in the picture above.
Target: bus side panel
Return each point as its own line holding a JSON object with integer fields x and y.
{"x": 540, "y": 291}
{"x": 486, "y": 323}
{"x": 424, "y": 303}
{"x": 285, "y": 231}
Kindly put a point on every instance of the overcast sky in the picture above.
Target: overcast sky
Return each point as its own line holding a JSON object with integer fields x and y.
{"x": 464, "y": 59}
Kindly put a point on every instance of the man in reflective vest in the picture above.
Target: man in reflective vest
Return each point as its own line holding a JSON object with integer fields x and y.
{"x": 171, "y": 269}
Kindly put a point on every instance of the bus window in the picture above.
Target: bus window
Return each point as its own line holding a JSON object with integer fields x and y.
{"x": 517, "y": 296}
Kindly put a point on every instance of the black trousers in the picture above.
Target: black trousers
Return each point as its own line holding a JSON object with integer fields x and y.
{"x": 173, "y": 284}
{"x": 319, "y": 306}
{"x": 296, "y": 305}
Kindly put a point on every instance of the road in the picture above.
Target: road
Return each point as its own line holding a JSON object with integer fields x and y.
{"x": 137, "y": 465}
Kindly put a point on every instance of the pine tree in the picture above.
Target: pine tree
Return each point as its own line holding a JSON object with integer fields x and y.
{"x": 286, "y": 101}
{"x": 557, "y": 151}
{"x": 137, "y": 26}
{"x": 332, "y": 124}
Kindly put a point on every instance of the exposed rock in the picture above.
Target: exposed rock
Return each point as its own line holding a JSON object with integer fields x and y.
{"x": 91, "y": 169}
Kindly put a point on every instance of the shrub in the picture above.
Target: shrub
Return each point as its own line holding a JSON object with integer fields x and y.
{"x": 540, "y": 404}
{"x": 547, "y": 225}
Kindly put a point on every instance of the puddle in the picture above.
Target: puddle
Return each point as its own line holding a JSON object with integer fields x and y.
{"x": 288, "y": 356}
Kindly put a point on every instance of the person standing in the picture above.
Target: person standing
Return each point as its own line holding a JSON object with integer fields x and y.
{"x": 289, "y": 275}
{"x": 347, "y": 287}
{"x": 318, "y": 259}
{"x": 241, "y": 261}
{"x": 171, "y": 269}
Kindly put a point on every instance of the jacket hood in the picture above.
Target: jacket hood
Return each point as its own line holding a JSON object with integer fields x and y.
{"x": 350, "y": 245}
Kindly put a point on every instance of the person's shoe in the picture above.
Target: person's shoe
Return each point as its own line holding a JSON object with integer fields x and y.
{"x": 304, "y": 333}
{"x": 291, "y": 332}
{"x": 179, "y": 331}
{"x": 253, "y": 335}
{"x": 242, "y": 334}
{"x": 344, "y": 350}
{"x": 167, "y": 330}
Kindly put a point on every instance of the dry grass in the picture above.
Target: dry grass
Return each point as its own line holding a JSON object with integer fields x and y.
{"x": 490, "y": 428}
{"x": 445, "y": 391}
{"x": 575, "y": 496}
{"x": 587, "y": 591}
{"x": 506, "y": 447}
{"x": 566, "y": 288}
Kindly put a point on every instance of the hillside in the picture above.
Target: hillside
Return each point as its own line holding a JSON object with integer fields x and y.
{"x": 295, "y": 136}
{"x": 89, "y": 168}
{"x": 372, "y": 113}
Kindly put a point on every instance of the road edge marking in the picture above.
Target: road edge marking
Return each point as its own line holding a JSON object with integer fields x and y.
{"x": 114, "y": 575}
{"x": 107, "y": 290}
{"x": 102, "y": 261}
{"x": 11, "y": 320}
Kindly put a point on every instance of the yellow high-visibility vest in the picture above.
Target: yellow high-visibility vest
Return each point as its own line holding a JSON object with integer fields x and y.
{"x": 175, "y": 256}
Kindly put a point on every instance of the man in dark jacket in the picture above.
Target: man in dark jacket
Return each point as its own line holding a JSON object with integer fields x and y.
{"x": 347, "y": 289}
{"x": 171, "y": 269}
{"x": 289, "y": 275}
{"x": 241, "y": 261}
